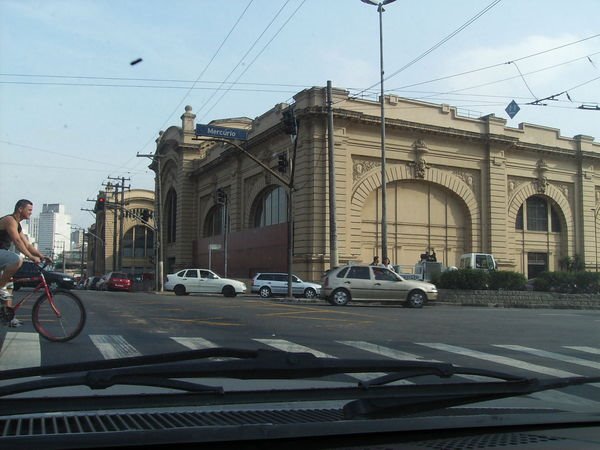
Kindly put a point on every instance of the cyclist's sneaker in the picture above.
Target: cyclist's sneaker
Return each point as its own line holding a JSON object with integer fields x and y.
{"x": 15, "y": 323}
{"x": 5, "y": 295}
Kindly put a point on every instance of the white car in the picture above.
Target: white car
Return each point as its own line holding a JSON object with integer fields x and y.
{"x": 204, "y": 281}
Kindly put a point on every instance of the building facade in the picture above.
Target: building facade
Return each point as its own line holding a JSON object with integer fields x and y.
{"x": 123, "y": 238}
{"x": 54, "y": 230}
{"x": 454, "y": 184}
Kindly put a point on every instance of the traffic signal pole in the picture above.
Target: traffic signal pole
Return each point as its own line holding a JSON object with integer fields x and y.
{"x": 290, "y": 126}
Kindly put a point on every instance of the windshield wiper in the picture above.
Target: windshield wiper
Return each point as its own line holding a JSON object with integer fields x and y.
{"x": 376, "y": 398}
{"x": 165, "y": 370}
{"x": 430, "y": 397}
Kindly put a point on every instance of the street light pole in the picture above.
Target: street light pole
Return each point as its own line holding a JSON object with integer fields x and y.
{"x": 380, "y": 10}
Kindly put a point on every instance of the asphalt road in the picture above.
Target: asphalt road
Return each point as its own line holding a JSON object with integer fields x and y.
{"x": 531, "y": 342}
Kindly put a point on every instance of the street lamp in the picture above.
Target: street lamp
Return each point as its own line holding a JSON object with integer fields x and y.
{"x": 380, "y": 10}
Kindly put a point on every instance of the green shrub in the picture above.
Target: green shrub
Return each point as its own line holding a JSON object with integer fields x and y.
{"x": 507, "y": 280}
{"x": 580, "y": 282}
{"x": 468, "y": 279}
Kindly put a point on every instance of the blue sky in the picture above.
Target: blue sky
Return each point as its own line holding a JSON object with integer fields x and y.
{"x": 73, "y": 111}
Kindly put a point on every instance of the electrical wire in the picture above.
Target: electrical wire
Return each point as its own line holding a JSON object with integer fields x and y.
{"x": 439, "y": 44}
{"x": 204, "y": 105}
{"x": 256, "y": 57}
{"x": 510, "y": 78}
{"x": 177, "y": 108}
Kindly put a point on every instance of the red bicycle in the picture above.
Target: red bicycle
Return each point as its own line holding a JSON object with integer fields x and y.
{"x": 57, "y": 315}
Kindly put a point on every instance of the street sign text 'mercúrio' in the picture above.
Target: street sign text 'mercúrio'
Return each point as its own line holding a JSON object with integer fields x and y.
{"x": 221, "y": 132}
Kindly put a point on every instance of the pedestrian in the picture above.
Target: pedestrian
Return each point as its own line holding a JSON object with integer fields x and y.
{"x": 375, "y": 261}
{"x": 11, "y": 234}
{"x": 387, "y": 264}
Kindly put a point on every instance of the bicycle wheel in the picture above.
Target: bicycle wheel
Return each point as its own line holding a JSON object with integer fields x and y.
{"x": 60, "y": 319}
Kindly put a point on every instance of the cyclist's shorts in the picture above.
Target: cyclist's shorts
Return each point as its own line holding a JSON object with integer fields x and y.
{"x": 7, "y": 258}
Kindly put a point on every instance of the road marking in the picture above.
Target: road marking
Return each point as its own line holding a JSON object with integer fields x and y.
{"x": 113, "y": 346}
{"x": 20, "y": 350}
{"x": 552, "y": 355}
{"x": 194, "y": 343}
{"x": 592, "y": 350}
{"x": 500, "y": 360}
{"x": 384, "y": 351}
{"x": 288, "y": 346}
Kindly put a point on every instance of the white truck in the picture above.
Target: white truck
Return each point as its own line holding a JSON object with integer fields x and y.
{"x": 478, "y": 261}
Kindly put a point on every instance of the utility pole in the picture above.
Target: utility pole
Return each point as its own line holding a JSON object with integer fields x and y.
{"x": 158, "y": 259}
{"x": 118, "y": 257}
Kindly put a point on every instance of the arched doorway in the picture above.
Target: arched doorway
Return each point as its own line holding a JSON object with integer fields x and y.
{"x": 421, "y": 216}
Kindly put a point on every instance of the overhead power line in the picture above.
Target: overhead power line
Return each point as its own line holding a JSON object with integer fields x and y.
{"x": 437, "y": 45}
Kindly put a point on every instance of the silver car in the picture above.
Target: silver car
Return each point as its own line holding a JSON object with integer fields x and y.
{"x": 363, "y": 282}
{"x": 267, "y": 284}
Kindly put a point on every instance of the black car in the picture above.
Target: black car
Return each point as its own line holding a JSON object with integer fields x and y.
{"x": 54, "y": 279}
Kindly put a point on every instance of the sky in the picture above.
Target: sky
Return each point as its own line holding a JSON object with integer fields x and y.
{"x": 74, "y": 111}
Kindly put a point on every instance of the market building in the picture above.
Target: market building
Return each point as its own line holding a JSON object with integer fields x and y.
{"x": 454, "y": 184}
{"x": 121, "y": 240}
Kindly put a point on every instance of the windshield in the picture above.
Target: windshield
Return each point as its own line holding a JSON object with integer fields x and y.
{"x": 444, "y": 210}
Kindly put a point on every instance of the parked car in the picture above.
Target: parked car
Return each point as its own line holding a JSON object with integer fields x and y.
{"x": 267, "y": 284}
{"x": 27, "y": 275}
{"x": 363, "y": 282}
{"x": 114, "y": 281}
{"x": 91, "y": 283}
{"x": 188, "y": 281}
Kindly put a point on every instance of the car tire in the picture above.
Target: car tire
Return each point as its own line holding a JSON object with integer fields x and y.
{"x": 339, "y": 297}
{"x": 264, "y": 292}
{"x": 416, "y": 299}
{"x": 310, "y": 293}
{"x": 180, "y": 290}
{"x": 229, "y": 291}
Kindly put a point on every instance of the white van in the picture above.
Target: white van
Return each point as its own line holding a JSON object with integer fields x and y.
{"x": 480, "y": 261}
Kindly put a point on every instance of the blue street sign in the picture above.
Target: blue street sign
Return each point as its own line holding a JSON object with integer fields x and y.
{"x": 221, "y": 132}
{"x": 512, "y": 109}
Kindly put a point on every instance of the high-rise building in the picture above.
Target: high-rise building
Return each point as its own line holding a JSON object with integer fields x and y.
{"x": 54, "y": 232}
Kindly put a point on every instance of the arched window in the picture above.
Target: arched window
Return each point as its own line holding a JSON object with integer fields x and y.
{"x": 171, "y": 215}
{"x": 540, "y": 215}
{"x": 271, "y": 207}
{"x": 213, "y": 224}
{"x": 138, "y": 242}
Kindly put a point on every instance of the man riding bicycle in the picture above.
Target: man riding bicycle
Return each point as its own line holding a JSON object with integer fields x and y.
{"x": 12, "y": 233}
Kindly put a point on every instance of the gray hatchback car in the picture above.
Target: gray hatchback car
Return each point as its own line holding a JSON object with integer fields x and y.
{"x": 271, "y": 283}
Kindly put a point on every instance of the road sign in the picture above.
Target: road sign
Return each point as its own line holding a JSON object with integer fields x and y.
{"x": 512, "y": 109}
{"x": 221, "y": 132}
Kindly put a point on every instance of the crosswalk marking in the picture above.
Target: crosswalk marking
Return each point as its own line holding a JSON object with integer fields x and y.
{"x": 20, "y": 350}
{"x": 194, "y": 343}
{"x": 288, "y": 346}
{"x": 500, "y": 360}
{"x": 592, "y": 350}
{"x": 552, "y": 355}
{"x": 113, "y": 346}
{"x": 384, "y": 351}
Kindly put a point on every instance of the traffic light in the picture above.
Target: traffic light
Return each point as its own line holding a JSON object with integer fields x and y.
{"x": 145, "y": 215}
{"x": 290, "y": 125}
{"x": 100, "y": 203}
{"x": 282, "y": 162}
{"x": 220, "y": 196}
